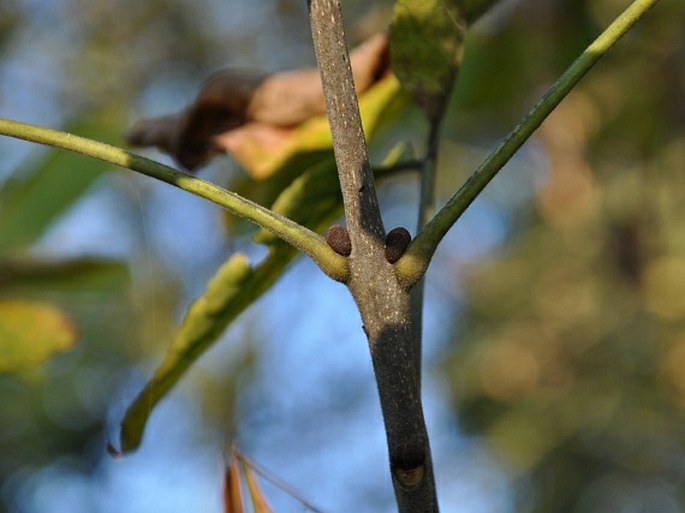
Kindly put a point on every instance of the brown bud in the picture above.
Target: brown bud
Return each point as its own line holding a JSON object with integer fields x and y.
{"x": 396, "y": 243}
{"x": 338, "y": 239}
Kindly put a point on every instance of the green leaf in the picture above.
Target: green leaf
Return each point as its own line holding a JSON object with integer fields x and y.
{"x": 32, "y": 332}
{"x": 33, "y": 198}
{"x": 313, "y": 199}
{"x": 310, "y": 197}
{"x": 426, "y": 41}
{"x": 234, "y": 287}
{"x": 310, "y": 148}
{"x": 271, "y": 170}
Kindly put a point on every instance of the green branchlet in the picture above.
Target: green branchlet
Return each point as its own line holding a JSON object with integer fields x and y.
{"x": 298, "y": 236}
{"x": 416, "y": 259}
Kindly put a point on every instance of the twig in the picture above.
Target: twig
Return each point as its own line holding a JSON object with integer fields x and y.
{"x": 414, "y": 263}
{"x": 362, "y": 213}
{"x": 300, "y": 237}
{"x": 426, "y": 211}
{"x": 383, "y": 302}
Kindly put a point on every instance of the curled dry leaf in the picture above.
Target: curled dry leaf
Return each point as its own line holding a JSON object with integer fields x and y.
{"x": 235, "y": 111}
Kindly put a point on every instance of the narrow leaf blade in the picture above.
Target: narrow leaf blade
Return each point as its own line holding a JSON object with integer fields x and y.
{"x": 312, "y": 201}
{"x": 234, "y": 287}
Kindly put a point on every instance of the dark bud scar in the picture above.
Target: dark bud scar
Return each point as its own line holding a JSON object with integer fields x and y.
{"x": 396, "y": 243}
{"x": 339, "y": 240}
{"x": 408, "y": 463}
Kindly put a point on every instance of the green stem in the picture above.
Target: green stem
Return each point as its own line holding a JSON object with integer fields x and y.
{"x": 426, "y": 211}
{"x": 300, "y": 237}
{"x": 414, "y": 263}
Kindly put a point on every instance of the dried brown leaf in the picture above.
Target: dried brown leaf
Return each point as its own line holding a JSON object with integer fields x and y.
{"x": 233, "y": 501}
{"x": 247, "y": 109}
{"x": 259, "y": 504}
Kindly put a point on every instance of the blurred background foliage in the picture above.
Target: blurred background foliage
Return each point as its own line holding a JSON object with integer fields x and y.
{"x": 562, "y": 350}
{"x": 568, "y": 359}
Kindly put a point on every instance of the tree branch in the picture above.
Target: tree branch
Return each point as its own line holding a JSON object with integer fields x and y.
{"x": 383, "y": 302}
{"x": 362, "y": 213}
{"x": 414, "y": 263}
{"x": 298, "y": 236}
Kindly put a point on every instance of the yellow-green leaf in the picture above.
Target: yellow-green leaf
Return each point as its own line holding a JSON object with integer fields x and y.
{"x": 426, "y": 41}
{"x": 312, "y": 200}
{"x": 234, "y": 287}
{"x": 32, "y": 332}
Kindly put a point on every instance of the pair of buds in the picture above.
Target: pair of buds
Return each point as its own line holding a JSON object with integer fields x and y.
{"x": 396, "y": 242}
